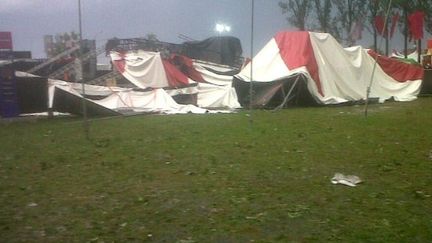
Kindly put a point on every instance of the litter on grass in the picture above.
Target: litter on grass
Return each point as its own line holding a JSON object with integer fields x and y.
{"x": 348, "y": 180}
{"x": 32, "y": 204}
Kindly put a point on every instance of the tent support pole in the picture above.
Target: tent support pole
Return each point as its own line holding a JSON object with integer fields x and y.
{"x": 299, "y": 90}
{"x": 368, "y": 90}
{"x": 287, "y": 97}
{"x": 283, "y": 92}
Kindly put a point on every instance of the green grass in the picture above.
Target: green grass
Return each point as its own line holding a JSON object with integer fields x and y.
{"x": 218, "y": 178}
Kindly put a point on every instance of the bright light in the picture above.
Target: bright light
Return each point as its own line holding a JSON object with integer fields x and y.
{"x": 220, "y": 28}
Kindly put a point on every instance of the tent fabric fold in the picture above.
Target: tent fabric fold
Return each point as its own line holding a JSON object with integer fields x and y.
{"x": 399, "y": 71}
{"x": 150, "y": 70}
{"x": 146, "y": 69}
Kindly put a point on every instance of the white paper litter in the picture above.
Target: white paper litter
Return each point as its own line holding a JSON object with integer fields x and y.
{"x": 348, "y": 180}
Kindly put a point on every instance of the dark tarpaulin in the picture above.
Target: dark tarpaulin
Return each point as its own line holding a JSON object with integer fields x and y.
{"x": 65, "y": 101}
{"x": 224, "y": 50}
{"x": 32, "y": 93}
{"x": 272, "y": 94}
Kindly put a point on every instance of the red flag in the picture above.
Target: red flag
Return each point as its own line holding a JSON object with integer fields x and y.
{"x": 356, "y": 30}
{"x": 379, "y": 25}
{"x": 416, "y": 24}
{"x": 395, "y": 19}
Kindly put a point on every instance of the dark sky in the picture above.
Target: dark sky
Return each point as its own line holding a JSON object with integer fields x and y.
{"x": 30, "y": 20}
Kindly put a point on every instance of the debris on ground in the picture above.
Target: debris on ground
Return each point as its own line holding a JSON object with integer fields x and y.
{"x": 348, "y": 180}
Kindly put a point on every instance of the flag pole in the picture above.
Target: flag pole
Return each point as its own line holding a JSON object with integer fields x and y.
{"x": 83, "y": 100}
{"x": 368, "y": 90}
{"x": 251, "y": 62}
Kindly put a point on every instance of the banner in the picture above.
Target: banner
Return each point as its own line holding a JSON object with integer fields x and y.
{"x": 382, "y": 28}
{"x": 6, "y": 40}
{"x": 395, "y": 19}
{"x": 356, "y": 30}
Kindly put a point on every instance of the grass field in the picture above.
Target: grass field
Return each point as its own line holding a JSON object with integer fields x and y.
{"x": 218, "y": 178}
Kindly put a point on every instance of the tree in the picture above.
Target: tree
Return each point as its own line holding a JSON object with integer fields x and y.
{"x": 413, "y": 5}
{"x": 339, "y": 16}
{"x": 323, "y": 11}
{"x": 300, "y": 10}
{"x": 152, "y": 42}
{"x": 348, "y": 14}
{"x": 408, "y": 7}
{"x": 372, "y": 12}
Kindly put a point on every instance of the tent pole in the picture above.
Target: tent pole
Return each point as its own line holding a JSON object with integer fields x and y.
{"x": 251, "y": 62}
{"x": 299, "y": 90}
{"x": 368, "y": 90}
{"x": 288, "y": 95}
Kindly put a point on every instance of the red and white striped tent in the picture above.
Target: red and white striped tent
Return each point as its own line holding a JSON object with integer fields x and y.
{"x": 333, "y": 74}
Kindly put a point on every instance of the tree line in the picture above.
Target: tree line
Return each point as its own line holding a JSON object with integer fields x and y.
{"x": 345, "y": 19}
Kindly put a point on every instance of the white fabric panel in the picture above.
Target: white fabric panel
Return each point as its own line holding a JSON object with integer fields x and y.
{"x": 23, "y": 74}
{"x": 144, "y": 69}
{"x": 155, "y": 100}
{"x": 182, "y": 91}
{"x": 213, "y": 77}
{"x": 218, "y": 93}
{"x": 216, "y": 67}
{"x": 184, "y": 109}
{"x": 267, "y": 65}
{"x": 213, "y": 96}
{"x": 345, "y": 74}
{"x": 412, "y": 55}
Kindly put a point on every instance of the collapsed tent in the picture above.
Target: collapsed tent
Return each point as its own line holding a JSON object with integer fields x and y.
{"x": 313, "y": 66}
{"x": 179, "y": 75}
{"x": 157, "y": 83}
{"x": 156, "y": 86}
{"x": 332, "y": 74}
